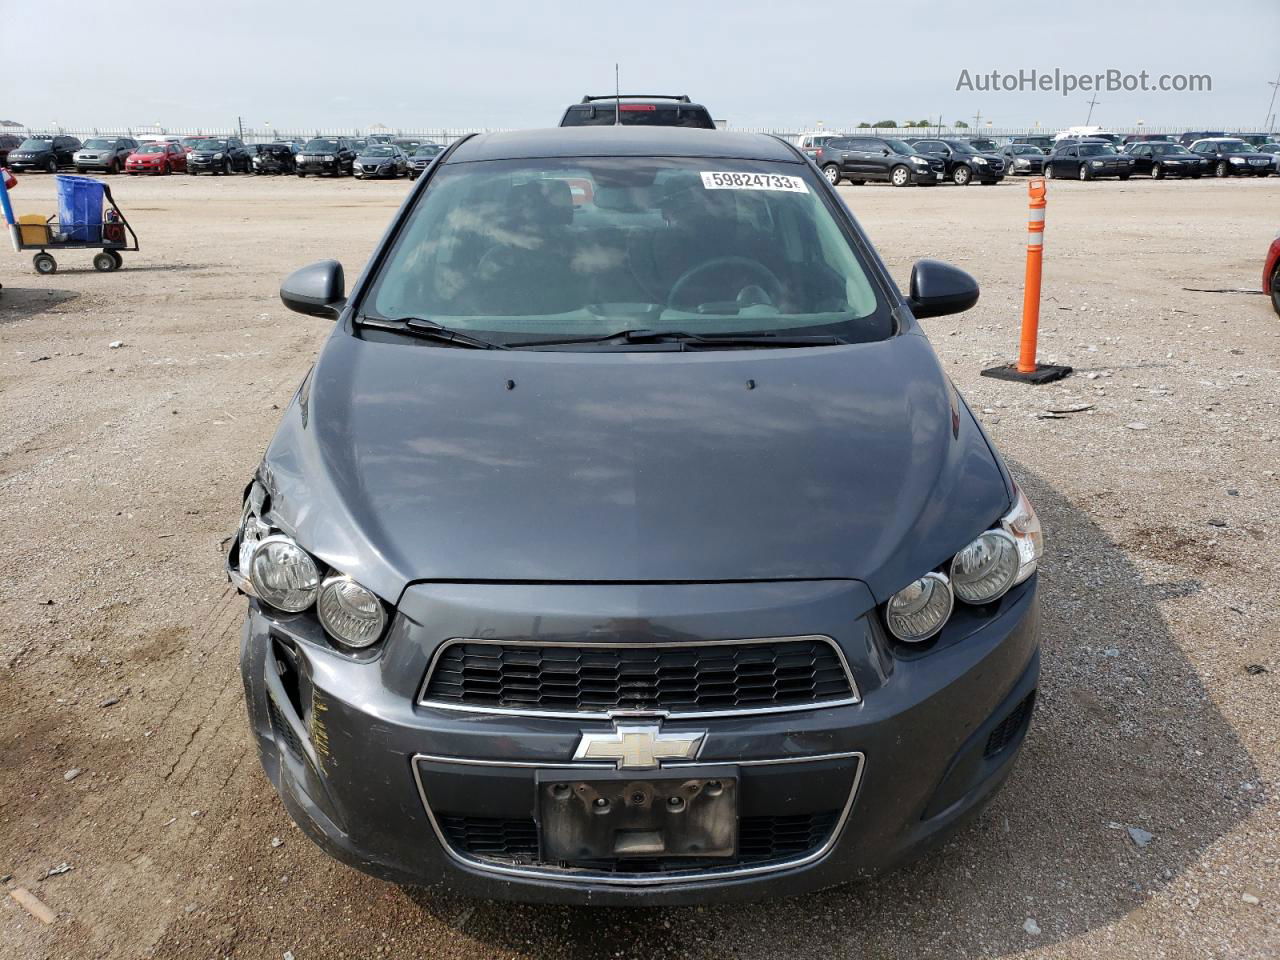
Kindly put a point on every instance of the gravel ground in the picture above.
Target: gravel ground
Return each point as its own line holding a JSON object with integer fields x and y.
{"x": 1141, "y": 821}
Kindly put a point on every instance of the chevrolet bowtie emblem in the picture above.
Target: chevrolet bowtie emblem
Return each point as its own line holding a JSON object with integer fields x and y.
{"x": 639, "y": 746}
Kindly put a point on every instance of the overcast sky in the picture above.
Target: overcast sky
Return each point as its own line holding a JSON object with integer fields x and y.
{"x": 517, "y": 63}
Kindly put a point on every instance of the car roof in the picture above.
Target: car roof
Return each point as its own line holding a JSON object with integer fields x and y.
{"x": 622, "y": 141}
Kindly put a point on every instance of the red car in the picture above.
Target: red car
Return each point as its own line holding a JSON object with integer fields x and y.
{"x": 162, "y": 158}
{"x": 1271, "y": 273}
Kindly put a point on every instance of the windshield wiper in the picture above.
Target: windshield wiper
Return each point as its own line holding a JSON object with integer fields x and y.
{"x": 429, "y": 330}
{"x": 692, "y": 339}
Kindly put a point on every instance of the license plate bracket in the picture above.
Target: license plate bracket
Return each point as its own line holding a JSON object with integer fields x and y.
{"x": 621, "y": 815}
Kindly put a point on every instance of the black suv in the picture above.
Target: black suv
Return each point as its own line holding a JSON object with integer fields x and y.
{"x": 1230, "y": 157}
{"x": 859, "y": 159}
{"x": 335, "y": 155}
{"x": 44, "y": 153}
{"x": 962, "y": 163}
{"x": 638, "y": 110}
{"x": 219, "y": 155}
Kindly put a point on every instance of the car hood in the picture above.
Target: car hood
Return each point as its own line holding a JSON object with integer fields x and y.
{"x": 399, "y": 462}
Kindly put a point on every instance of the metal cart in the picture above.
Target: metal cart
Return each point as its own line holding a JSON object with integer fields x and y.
{"x": 112, "y": 236}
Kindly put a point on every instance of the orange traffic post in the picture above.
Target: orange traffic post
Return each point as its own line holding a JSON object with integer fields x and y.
{"x": 1026, "y": 370}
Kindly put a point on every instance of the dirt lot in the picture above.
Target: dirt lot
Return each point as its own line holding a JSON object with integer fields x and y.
{"x": 121, "y": 469}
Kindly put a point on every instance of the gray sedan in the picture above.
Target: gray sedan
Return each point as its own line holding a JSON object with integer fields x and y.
{"x": 628, "y": 543}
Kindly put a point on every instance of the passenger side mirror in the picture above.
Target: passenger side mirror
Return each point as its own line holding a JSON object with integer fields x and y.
{"x": 318, "y": 290}
{"x": 938, "y": 288}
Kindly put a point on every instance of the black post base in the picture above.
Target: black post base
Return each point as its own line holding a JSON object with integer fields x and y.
{"x": 1043, "y": 373}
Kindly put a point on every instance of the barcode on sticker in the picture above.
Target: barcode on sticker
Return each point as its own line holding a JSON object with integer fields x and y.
{"x": 717, "y": 180}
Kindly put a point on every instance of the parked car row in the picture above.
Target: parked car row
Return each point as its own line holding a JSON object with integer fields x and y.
{"x": 378, "y": 156}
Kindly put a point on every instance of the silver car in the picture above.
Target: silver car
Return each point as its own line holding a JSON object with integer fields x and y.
{"x": 104, "y": 153}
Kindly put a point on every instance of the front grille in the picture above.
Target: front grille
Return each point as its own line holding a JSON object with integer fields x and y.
{"x": 1011, "y": 727}
{"x": 575, "y": 679}
{"x": 760, "y": 840}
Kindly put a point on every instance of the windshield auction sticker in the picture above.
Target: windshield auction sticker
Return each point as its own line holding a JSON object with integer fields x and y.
{"x": 715, "y": 180}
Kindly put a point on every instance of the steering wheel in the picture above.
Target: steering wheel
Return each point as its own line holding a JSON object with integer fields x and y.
{"x": 766, "y": 277}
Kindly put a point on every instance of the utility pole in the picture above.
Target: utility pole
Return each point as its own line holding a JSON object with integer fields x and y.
{"x": 240, "y": 126}
{"x": 1271, "y": 117}
{"x": 1092, "y": 103}
{"x": 977, "y": 119}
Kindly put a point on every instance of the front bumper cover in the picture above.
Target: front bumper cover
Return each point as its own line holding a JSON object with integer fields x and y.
{"x": 362, "y": 775}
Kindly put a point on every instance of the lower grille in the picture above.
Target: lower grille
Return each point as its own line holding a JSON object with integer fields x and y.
{"x": 760, "y": 840}
{"x": 577, "y": 680}
{"x": 284, "y": 729}
{"x": 1011, "y": 727}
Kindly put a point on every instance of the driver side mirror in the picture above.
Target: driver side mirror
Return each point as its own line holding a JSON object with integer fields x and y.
{"x": 318, "y": 290}
{"x": 938, "y": 288}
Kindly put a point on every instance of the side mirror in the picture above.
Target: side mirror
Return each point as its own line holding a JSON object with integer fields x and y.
{"x": 938, "y": 289}
{"x": 318, "y": 290}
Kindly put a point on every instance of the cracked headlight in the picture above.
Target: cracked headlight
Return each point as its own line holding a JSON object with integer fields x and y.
{"x": 1023, "y": 525}
{"x": 351, "y": 614}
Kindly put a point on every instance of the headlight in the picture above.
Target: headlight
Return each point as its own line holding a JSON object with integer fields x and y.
{"x": 1023, "y": 162}
{"x": 1237, "y": 159}
{"x": 1097, "y": 163}
{"x": 217, "y": 156}
{"x": 328, "y": 159}
{"x": 919, "y": 610}
{"x": 985, "y": 569}
{"x": 283, "y": 574}
{"x": 1023, "y": 525}
{"x": 352, "y": 615}
{"x": 979, "y": 161}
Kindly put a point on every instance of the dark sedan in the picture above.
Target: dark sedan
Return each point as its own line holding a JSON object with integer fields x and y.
{"x": 962, "y": 164}
{"x": 628, "y": 543}
{"x": 1089, "y": 160}
{"x": 1163, "y": 159}
{"x": 859, "y": 159}
{"x": 1023, "y": 158}
{"x": 383, "y": 161}
{"x": 44, "y": 153}
{"x": 218, "y": 155}
{"x": 422, "y": 158}
{"x": 1226, "y": 157}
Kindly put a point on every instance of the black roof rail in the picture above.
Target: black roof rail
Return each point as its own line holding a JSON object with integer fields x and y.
{"x": 682, "y": 98}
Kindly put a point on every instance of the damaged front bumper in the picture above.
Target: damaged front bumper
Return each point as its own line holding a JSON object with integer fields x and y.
{"x": 420, "y": 792}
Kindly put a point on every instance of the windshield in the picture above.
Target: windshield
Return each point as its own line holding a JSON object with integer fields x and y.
{"x": 320, "y": 146}
{"x": 1237, "y": 146}
{"x": 1165, "y": 149}
{"x": 209, "y": 144}
{"x": 153, "y": 148}
{"x": 35, "y": 144}
{"x": 959, "y": 146}
{"x": 1023, "y": 148}
{"x": 378, "y": 150}
{"x": 429, "y": 150}
{"x": 1096, "y": 149}
{"x": 563, "y": 247}
{"x": 984, "y": 145}
{"x": 898, "y": 146}
{"x": 98, "y": 145}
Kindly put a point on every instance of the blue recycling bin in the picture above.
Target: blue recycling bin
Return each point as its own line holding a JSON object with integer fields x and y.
{"x": 80, "y": 209}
